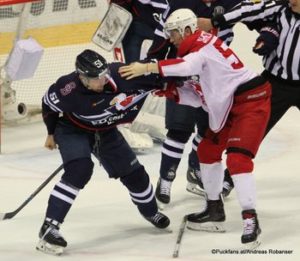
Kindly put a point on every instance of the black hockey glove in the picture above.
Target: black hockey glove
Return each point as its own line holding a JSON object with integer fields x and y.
{"x": 267, "y": 41}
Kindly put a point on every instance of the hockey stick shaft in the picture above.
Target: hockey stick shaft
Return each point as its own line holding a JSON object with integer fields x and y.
{"x": 10, "y": 215}
{"x": 179, "y": 237}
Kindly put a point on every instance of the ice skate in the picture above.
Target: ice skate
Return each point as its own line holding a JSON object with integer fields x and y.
{"x": 51, "y": 241}
{"x": 211, "y": 219}
{"x": 194, "y": 184}
{"x": 163, "y": 193}
{"x": 159, "y": 220}
{"x": 227, "y": 184}
{"x": 251, "y": 229}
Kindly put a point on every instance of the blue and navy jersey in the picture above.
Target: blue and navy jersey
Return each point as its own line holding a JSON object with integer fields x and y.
{"x": 146, "y": 11}
{"x": 92, "y": 110}
{"x": 160, "y": 44}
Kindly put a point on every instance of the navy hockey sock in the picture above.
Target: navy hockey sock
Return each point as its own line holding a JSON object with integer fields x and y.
{"x": 141, "y": 192}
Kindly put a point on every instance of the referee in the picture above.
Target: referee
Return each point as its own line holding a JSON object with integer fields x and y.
{"x": 282, "y": 66}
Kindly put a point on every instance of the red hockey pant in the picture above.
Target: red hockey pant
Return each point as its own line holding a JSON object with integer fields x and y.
{"x": 242, "y": 133}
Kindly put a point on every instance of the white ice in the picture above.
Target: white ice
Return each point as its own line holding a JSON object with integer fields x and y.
{"x": 103, "y": 224}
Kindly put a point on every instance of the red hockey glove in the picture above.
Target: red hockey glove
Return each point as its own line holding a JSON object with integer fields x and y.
{"x": 170, "y": 92}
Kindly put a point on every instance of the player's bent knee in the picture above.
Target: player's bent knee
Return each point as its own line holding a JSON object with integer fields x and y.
{"x": 209, "y": 152}
{"x": 239, "y": 163}
{"x": 178, "y": 135}
{"x": 78, "y": 172}
{"x": 137, "y": 181}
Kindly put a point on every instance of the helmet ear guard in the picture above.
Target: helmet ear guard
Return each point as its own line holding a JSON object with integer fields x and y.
{"x": 91, "y": 64}
{"x": 179, "y": 20}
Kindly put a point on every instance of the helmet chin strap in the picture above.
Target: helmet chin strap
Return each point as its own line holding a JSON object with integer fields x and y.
{"x": 84, "y": 80}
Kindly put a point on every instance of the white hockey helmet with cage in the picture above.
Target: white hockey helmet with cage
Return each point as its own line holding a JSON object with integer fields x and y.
{"x": 179, "y": 20}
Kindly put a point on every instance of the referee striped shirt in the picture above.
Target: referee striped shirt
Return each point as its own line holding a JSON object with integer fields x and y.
{"x": 284, "y": 62}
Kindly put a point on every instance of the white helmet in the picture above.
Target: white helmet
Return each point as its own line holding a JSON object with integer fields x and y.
{"x": 180, "y": 19}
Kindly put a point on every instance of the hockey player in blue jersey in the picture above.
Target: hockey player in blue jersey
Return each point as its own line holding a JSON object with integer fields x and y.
{"x": 180, "y": 119}
{"x": 146, "y": 16}
{"x": 81, "y": 111}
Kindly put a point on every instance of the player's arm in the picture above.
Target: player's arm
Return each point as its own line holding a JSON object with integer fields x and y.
{"x": 171, "y": 67}
{"x": 246, "y": 11}
{"x": 187, "y": 94}
{"x": 142, "y": 81}
{"x": 52, "y": 106}
{"x": 50, "y": 119}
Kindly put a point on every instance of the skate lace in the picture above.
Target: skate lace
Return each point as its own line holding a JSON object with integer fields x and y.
{"x": 165, "y": 187}
{"x": 191, "y": 172}
{"x": 157, "y": 217}
{"x": 197, "y": 174}
{"x": 53, "y": 231}
{"x": 249, "y": 225}
{"x": 227, "y": 186}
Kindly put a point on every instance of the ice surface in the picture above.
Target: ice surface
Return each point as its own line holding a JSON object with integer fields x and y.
{"x": 104, "y": 224}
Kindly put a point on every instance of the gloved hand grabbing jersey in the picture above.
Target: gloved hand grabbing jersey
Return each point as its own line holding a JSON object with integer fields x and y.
{"x": 188, "y": 94}
{"x": 267, "y": 41}
{"x": 169, "y": 91}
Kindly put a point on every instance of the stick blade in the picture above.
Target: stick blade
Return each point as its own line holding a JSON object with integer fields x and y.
{"x": 8, "y": 215}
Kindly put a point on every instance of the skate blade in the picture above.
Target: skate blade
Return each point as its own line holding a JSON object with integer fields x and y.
{"x": 47, "y": 248}
{"x": 251, "y": 245}
{"x": 166, "y": 230}
{"x": 207, "y": 226}
{"x": 195, "y": 189}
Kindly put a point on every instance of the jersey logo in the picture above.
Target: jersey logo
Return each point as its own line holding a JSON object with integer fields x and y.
{"x": 68, "y": 88}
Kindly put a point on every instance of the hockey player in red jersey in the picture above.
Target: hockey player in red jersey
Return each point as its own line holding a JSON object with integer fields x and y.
{"x": 238, "y": 104}
{"x": 182, "y": 122}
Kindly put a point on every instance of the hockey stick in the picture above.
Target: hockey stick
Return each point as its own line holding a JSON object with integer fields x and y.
{"x": 179, "y": 237}
{"x": 10, "y": 215}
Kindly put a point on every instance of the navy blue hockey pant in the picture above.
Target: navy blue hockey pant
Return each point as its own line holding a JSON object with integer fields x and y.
{"x": 115, "y": 155}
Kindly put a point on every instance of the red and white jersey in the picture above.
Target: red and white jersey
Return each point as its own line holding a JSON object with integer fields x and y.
{"x": 216, "y": 67}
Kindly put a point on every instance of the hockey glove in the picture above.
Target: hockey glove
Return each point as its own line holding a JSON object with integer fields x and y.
{"x": 170, "y": 92}
{"x": 267, "y": 41}
{"x": 188, "y": 94}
